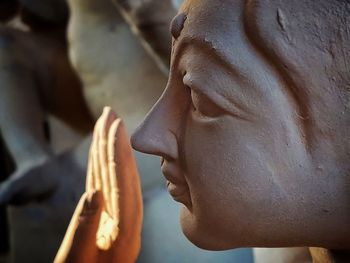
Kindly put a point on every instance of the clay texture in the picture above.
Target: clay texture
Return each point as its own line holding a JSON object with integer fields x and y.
{"x": 253, "y": 126}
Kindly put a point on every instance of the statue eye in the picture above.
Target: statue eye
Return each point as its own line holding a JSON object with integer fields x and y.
{"x": 202, "y": 106}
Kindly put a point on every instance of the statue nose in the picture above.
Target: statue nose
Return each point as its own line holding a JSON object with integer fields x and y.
{"x": 154, "y": 136}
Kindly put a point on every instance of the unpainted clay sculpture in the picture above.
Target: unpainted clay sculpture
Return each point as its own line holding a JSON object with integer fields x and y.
{"x": 106, "y": 225}
{"x": 253, "y": 126}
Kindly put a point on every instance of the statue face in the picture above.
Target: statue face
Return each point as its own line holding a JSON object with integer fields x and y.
{"x": 239, "y": 130}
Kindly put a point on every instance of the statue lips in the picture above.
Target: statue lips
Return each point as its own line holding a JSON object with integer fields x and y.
{"x": 176, "y": 183}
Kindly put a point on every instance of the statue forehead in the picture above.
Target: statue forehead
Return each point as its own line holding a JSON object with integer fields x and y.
{"x": 292, "y": 26}
{"x": 210, "y": 19}
{"x": 214, "y": 22}
{"x": 224, "y": 23}
{"x": 301, "y": 38}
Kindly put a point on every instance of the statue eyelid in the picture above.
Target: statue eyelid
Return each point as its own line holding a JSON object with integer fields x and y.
{"x": 219, "y": 104}
{"x": 199, "y": 99}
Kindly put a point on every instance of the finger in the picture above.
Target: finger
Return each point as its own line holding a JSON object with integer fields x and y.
{"x": 130, "y": 198}
{"x": 90, "y": 182}
{"x": 80, "y": 240}
{"x": 95, "y": 163}
{"x": 90, "y": 178}
{"x": 112, "y": 145}
{"x": 108, "y": 116}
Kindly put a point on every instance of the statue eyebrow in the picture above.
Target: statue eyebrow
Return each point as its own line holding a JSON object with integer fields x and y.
{"x": 187, "y": 42}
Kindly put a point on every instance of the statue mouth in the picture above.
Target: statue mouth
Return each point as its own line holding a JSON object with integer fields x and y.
{"x": 179, "y": 193}
{"x": 176, "y": 190}
{"x": 176, "y": 183}
{"x": 172, "y": 173}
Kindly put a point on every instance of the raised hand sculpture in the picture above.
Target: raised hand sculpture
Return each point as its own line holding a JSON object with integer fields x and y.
{"x": 106, "y": 225}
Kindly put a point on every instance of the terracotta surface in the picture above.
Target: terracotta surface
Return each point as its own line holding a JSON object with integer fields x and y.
{"x": 253, "y": 126}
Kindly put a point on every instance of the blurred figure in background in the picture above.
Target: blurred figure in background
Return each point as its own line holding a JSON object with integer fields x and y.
{"x": 36, "y": 81}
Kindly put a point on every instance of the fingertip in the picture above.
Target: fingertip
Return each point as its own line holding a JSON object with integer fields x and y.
{"x": 123, "y": 150}
{"x": 108, "y": 111}
{"x": 118, "y": 133}
{"x": 97, "y": 123}
{"x": 115, "y": 128}
{"x": 102, "y": 243}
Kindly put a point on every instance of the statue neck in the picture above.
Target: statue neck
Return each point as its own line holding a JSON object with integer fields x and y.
{"x": 323, "y": 255}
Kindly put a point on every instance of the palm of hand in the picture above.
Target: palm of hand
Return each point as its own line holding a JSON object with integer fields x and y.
{"x": 106, "y": 224}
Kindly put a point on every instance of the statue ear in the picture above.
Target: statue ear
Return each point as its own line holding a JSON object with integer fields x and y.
{"x": 8, "y": 9}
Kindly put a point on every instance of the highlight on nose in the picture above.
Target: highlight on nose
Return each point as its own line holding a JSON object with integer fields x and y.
{"x": 162, "y": 144}
{"x": 145, "y": 141}
{"x": 138, "y": 142}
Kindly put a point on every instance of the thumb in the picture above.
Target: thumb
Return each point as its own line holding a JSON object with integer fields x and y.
{"x": 79, "y": 243}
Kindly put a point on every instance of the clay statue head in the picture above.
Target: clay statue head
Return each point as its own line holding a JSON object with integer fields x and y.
{"x": 254, "y": 125}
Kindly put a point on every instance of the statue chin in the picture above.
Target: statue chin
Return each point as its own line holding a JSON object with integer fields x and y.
{"x": 199, "y": 236}
{"x": 191, "y": 231}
